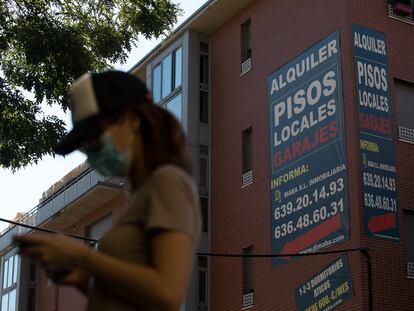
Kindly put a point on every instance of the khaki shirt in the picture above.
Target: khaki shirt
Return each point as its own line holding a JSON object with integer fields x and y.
{"x": 168, "y": 200}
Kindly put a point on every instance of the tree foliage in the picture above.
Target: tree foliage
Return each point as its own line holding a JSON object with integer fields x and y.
{"x": 45, "y": 45}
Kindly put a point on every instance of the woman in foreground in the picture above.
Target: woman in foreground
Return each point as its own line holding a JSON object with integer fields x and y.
{"x": 144, "y": 261}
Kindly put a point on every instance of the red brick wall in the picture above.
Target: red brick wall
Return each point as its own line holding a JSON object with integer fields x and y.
{"x": 241, "y": 217}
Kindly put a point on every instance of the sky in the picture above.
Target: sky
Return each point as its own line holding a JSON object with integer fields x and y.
{"x": 21, "y": 191}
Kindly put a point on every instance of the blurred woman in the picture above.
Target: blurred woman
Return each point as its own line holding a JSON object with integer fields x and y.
{"x": 144, "y": 261}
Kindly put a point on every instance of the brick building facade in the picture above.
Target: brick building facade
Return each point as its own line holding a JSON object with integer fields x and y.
{"x": 222, "y": 61}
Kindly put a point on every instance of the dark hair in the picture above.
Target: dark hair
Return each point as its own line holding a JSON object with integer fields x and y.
{"x": 164, "y": 141}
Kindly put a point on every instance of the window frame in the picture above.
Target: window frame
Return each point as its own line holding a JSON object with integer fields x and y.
{"x": 174, "y": 88}
{"x": 12, "y": 261}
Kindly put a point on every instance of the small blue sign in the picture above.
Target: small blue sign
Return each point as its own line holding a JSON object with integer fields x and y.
{"x": 309, "y": 196}
{"x": 376, "y": 135}
{"x": 327, "y": 289}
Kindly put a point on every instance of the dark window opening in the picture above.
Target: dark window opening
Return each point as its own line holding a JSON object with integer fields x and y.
{"x": 402, "y": 7}
{"x": 404, "y": 100}
{"x": 409, "y": 240}
{"x": 247, "y": 270}
{"x": 246, "y": 50}
{"x": 203, "y": 69}
{"x": 247, "y": 150}
{"x": 204, "y": 214}
{"x": 204, "y": 107}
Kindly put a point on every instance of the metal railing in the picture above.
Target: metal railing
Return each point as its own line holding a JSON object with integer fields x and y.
{"x": 55, "y": 203}
{"x": 406, "y": 134}
{"x": 248, "y": 300}
{"x": 247, "y": 178}
{"x": 410, "y": 269}
{"x": 246, "y": 66}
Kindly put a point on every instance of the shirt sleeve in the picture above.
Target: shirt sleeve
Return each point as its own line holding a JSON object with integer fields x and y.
{"x": 173, "y": 203}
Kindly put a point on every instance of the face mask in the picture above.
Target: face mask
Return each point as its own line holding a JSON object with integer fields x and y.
{"x": 109, "y": 161}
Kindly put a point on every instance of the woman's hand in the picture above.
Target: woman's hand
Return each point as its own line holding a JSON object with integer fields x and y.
{"x": 57, "y": 253}
{"x": 76, "y": 277}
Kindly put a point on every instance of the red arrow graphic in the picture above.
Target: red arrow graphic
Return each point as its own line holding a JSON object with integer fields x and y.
{"x": 382, "y": 222}
{"x": 313, "y": 235}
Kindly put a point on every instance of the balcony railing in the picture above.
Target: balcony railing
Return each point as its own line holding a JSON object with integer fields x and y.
{"x": 247, "y": 178}
{"x": 406, "y": 134}
{"x": 246, "y": 66}
{"x": 55, "y": 203}
{"x": 410, "y": 269}
{"x": 248, "y": 301}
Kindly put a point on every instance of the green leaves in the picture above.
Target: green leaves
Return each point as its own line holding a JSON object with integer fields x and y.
{"x": 46, "y": 45}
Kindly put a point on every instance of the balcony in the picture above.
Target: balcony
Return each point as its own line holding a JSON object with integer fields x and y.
{"x": 81, "y": 196}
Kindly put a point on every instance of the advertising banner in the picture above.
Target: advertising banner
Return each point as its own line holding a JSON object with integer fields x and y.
{"x": 376, "y": 137}
{"x": 327, "y": 289}
{"x": 309, "y": 197}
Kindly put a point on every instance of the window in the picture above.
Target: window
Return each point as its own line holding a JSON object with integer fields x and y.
{"x": 247, "y": 162}
{"x": 247, "y": 150}
{"x": 177, "y": 67}
{"x": 246, "y": 51}
{"x": 174, "y": 106}
{"x": 203, "y": 173}
{"x": 167, "y": 76}
{"x": 203, "y": 167}
{"x": 247, "y": 270}
{"x": 10, "y": 271}
{"x": 203, "y": 107}
{"x": 5, "y": 273}
{"x": 402, "y": 10}
{"x": 409, "y": 240}
{"x": 203, "y": 69}
{"x": 204, "y": 76}
{"x": 202, "y": 282}
{"x": 156, "y": 84}
{"x": 97, "y": 229}
{"x": 9, "y": 285}
{"x": 404, "y": 98}
{"x": 5, "y": 302}
{"x": 204, "y": 213}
